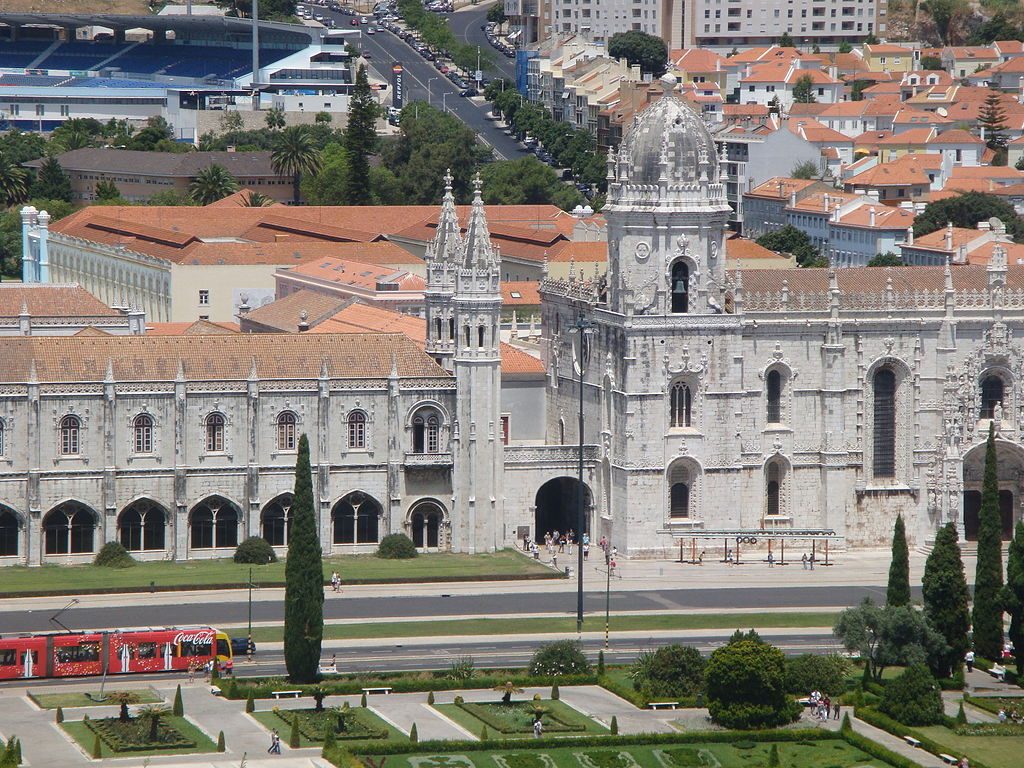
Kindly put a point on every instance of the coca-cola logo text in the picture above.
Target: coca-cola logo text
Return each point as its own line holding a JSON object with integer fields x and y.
{"x": 195, "y": 638}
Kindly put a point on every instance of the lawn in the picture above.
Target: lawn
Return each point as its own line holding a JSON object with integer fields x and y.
{"x": 547, "y": 625}
{"x": 561, "y": 719}
{"x": 818, "y": 754}
{"x": 81, "y": 699}
{"x": 85, "y": 738}
{"x": 366, "y": 719}
{"x": 354, "y": 569}
{"x": 993, "y": 751}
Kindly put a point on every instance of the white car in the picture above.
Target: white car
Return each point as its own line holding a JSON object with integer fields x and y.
{"x": 371, "y": 30}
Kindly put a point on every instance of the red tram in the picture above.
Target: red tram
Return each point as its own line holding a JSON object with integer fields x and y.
{"x": 72, "y": 654}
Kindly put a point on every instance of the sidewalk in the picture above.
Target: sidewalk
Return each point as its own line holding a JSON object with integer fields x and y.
{"x": 899, "y": 746}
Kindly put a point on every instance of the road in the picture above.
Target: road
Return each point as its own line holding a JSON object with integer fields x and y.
{"x": 211, "y": 610}
{"x": 466, "y": 26}
{"x": 385, "y": 49}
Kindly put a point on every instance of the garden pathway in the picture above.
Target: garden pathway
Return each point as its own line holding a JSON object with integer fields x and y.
{"x": 951, "y": 705}
{"x": 404, "y": 709}
{"x": 43, "y": 744}
{"x": 899, "y": 746}
{"x": 600, "y": 704}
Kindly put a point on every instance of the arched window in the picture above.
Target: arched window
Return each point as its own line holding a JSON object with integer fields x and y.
{"x": 773, "y": 488}
{"x": 141, "y": 526}
{"x": 884, "y": 388}
{"x": 774, "y": 386}
{"x": 991, "y": 393}
{"x": 425, "y": 524}
{"x": 214, "y": 433}
{"x": 357, "y": 430}
{"x": 8, "y": 533}
{"x": 426, "y": 432}
{"x": 68, "y": 529}
{"x": 143, "y": 429}
{"x": 680, "y": 288}
{"x": 679, "y": 492}
{"x": 356, "y": 519}
{"x": 286, "y": 431}
{"x": 70, "y": 426}
{"x": 214, "y": 523}
{"x": 681, "y": 405}
{"x": 277, "y": 520}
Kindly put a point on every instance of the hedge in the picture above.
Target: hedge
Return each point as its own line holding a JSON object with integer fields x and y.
{"x": 897, "y": 729}
{"x": 312, "y": 724}
{"x": 106, "y": 730}
{"x": 876, "y": 750}
{"x": 990, "y": 703}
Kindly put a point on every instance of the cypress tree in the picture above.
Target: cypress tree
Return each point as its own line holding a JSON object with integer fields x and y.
{"x": 987, "y": 617}
{"x": 430, "y": 697}
{"x": 304, "y": 580}
{"x": 414, "y": 735}
{"x": 600, "y": 663}
{"x": 946, "y": 598}
{"x": 1013, "y": 600}
{"x": 554, "y": 692}
{"x": 294, "y": 738}
{"x": 614, "y": 727}
{"x": 178, "y": 709}
{"x": 898, "y": 592}
{"x": 484, "y": 734}
{"x": 360, "y": 139}
{"x": 220, "y": 742}
{"x": 97, "y": 747}
{"x": 250, "y": 702}
{"x": 961, "y": 716}
{"x": 60, "y": 715}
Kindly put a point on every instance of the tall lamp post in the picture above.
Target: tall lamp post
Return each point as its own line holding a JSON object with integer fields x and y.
{"x": 429, "y": 81}
{"x": 583, "y": 328}
{"x": 607, "y": 593}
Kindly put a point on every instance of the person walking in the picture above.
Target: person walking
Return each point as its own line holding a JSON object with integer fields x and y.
{"x": 969, "y": 660}
{"x": 804, "y": 560}
{"x": 835, "y": 710}
{"x": 538, "y": 728}
{"x": 335, "y": 581}
{"x": 771, "y": 560}
{"x": 275, "y": 743}
{"x": 586, "y": 551}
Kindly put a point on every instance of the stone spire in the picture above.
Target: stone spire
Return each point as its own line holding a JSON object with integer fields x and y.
{"x": 448, "y": 235}
{"x": 479, "y": 252}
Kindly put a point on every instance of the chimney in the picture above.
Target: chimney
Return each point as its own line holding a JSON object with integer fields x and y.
{"x": 873, "y": 194}
{"x": 792, "y": 198}
{"x": 826, "y": 201}
{"x": 910, "y": 236}
{"x": 949, "y": 236}
{"x": 243, "y": 308}
{"x": 871, "y": 215}
{"x": 303, "y": 321}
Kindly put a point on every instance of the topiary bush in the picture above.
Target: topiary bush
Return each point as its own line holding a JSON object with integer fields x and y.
{"x": 671, "y": 671}
{"x": 396, "y": 546}
{"x": 220, "y": 742}
{"x": 746, "y": 686}
{"x": 913, "y": 698}
{"x": 564, "y": 657}
{"x": 178, "y": 709}
{"x": 814, "y": 672}
{"x": 256, "y": 551}
{"x": 113, "y": 555}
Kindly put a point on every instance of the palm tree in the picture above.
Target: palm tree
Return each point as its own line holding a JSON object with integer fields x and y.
{"x": 211, "y": 184}
{"x": 295, "y": 154}
{"x": 153, "y": 713}
{"x": 13, "y": 182}
{"x": 123, "y": 698}
{"x": 253, "y": 199}
{"x": 507, "y": 690}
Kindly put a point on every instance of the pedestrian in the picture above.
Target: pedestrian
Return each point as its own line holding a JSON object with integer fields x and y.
{"x": 811, "y": 560}
{"x": 969, "y": 660}
{"x": 535, "y": 551}
{"x": 191, "y": 671}
{"x": 1002, "y": 715}
{"x": 804, "y": 560}
{"x": 335, "y": 581}
{"x": 964, "y": 763}
{"x": 250, "y": 648}
{"x": 586, "y": 538}
{"x": 603, "y": 543}
{"x": 611, "y": 567}
{"x": 526, "y": 542}
{"x": 586, "y": 551}
{"x": 538, "y": 728}
{"x": 835, "y": 710}
{"x": 561, "y": 544}
{"x": 275, "y": 744}
{"x": 771, "y": 560}
{"x": 229, "y": 666}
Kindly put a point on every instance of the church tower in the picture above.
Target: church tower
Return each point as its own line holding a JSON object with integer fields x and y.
{"x": 442, "y": 259}
{"x": 476, "y": 363}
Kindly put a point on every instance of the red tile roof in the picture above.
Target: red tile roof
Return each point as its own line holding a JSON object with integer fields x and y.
{"x": 51, "y": 300}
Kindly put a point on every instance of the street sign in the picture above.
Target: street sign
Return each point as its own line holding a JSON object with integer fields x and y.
{"x": 398, "y": 86}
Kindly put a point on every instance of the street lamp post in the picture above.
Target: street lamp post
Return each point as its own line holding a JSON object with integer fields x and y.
{"x": 249, "y": 635}
{"x": 429, "y": 81}
{"x": 444, "y": 101}
{"x": 583, "y": 328}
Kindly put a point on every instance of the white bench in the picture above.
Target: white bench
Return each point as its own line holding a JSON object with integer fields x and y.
{"x": 660, "y": 704}
{"x": 371, "y": 691}
{"x": 912, "y": 741}
{"x": 279, "y": 694}
{"x": 331, "y": 669}
{"x": 949, "y": 759}
{"x": 998, "y": 671}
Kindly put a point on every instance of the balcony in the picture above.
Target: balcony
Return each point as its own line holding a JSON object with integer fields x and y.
{"x": 417, "y": 460}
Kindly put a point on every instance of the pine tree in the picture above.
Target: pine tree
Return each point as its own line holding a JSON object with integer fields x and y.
{"x": 178, "y": 709}
{"x": 992, "y": 117}
{"x": 360, "y": 139}
{"x": 304, "y": 580}
{"x": 946, "y": 599}
{"x": 898, "y": 592}
{"x": 1013, "y": 593}
{"x": 987, "y": 616}
{"x": 51, "y": 182}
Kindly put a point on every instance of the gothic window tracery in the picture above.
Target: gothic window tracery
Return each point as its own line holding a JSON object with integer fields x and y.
{"x": 680, "y": 405}
{"x": 884, "y": 413}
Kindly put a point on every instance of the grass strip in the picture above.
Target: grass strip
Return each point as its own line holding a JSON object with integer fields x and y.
{"x": 74, "y": 700}
{"x": 562, "y": 625}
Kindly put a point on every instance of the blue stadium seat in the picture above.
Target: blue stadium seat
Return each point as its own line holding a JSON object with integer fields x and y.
{"x": 21, "y": 53}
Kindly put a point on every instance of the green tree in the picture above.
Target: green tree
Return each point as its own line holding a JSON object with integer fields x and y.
{"x": 231, "y": 121}
{"x": 329, "y": 186}
{"x": 887, "y": 259}
{"x": 845, "y": 47}
{"x": 893, "y": 635}
{"x": 913, "y": 698}
{"x": 13, "y": 181}
{"x": 107, "y": 190}
{"x": 790, "y": 240}
{"x": 931, "y": 63}
{"x": 496, "y": 14}
{"x": 785, "y": 41}
{"x": 808, "y": 169}
{"x": 252, "y": 199}
{"x": 944, "y": 589}
{"x": 987, "y": 616}
{"x": 156, "y": 136}
{"x": 562, "y": 657}
{"x": 170, "y": 197}
{"x": 295, "y": 154}
{"x": 304, "y": 579}
{"x": 803, "y": 90}
{"x": 275, "y": 118}
{"x": 360, "y": 139}
{"x": 323, "y": 118}
{"x": 1013, "y": 592}
{"x": 636, "y": 47}
{"x": 746, "y": 686}
{"x": 858, "y": 88}
{"x": 179, "y": 706}
{"x": 816, "y": 672}
{"x": 898, "y": 592}
{"x": 211, "y": 184}
{"x": 526, "y": 181}
{"x": 670, "y": 671}
{"x": 152, "y": 715}
{"x": 1019, "y": 165}
{"x": 943, "y": 12}
{"x": 52, "y": 183}
{"x": 20, "y": 147}
{"x": 992, "y": 118}
{"x": 966, "y": 211}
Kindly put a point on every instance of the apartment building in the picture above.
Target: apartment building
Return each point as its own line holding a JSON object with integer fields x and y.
{"x": 598, "y": 20}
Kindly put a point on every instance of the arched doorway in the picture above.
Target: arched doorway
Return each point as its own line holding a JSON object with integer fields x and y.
{"x": 276, "y": 520}
{"x": 557, "y": 507}
{"x": 425, "y": 525}
{"x": 355, "y": 519}
{"x": 141, "y": 526}
{"x": 213, "y": 524}
{"x": 69, "y": 529}
{"x": 1010, "y": 466}
{"x": 9, "y": 532}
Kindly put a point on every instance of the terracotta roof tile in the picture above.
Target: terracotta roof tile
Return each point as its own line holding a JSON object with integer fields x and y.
{"x": 581, "y": 252}
{"x": 51, "y": 300}
{"x": 909, "y": 169}
{"x": 355, "y": 274}
{"x": 196, "y": 328}
{"x": 780, "y": 187}
{"x": 520, "y": 293}
{"x": 742, "y": 248}
{"x": 285, "y": 314}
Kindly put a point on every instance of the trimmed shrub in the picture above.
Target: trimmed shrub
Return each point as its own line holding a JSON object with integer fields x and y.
{"x": 178, "y": 709}
{"x": 430, "y": 698}
{"x": 362, "y": 701}
{"x": 813, "y": 672}
{"x": 396, "y": 546}
{"x": 232, "y": 691}
{"x": 600, "y": 663}
{"x": 614, "y": 726}
{"x": 60, "y": 714}
{"x": 773, "y": 757}
{"x": 564, "y": 657}
{"x": 746, "y": 686}
{"x": 673, "y": 671}
{"x": 220, "y": 742}
{"x": 97, "y": 747}
{"x": 484, "y": 735}
{"x": 250, "y": 702}
{"x": 294, "y": 736}
{"x": 554, "y": 692}
{"x": 913, "y": 698}
{"x": 113, "y": 555}
{"x": 961, "y": 716}
{"x": 256, "y": 551}
{"x": 414, "y": 735}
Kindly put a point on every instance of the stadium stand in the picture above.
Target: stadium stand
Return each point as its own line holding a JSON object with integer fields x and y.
{"x": 19, "y": 54}
{"x": 80, "y": 55}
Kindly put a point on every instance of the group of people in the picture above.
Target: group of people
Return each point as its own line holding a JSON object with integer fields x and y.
{"x": 336, "y": 581}
{"x": 1013, "y": 716}
{"x": 822, "y": 707}
{"x": 557, "y": 543}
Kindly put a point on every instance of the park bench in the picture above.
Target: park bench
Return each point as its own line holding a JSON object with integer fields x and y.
{"x": 371, "y": 691}
{"x": 279, "y": 694}
{"x": 328, "y": 669}
{"x": 660, "y": 704}
{"x": 998, "y": 671}
{"x": 949, "y": 759}
{"x": 912, "y": 741}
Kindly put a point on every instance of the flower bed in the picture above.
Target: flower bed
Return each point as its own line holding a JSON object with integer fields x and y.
{"x": 517, "y": 717}
{"x": 994, "y": 703}
{"x": 133, "y": 736}
{"x": 313, "y": 725}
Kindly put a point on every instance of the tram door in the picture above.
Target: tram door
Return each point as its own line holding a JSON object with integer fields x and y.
{"x": 28, "y": 663}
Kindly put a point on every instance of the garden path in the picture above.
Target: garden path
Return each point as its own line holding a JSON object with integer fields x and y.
{"x": 899, "y": 746}
{"x": 600, "y": 704}
{"x": 951, "y": 705}
{"x": 43, "y": 744}
{"x": 404, "y": 709}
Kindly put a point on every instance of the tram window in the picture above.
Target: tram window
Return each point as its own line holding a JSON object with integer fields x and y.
{"x": 189, "y": 648}
{"x": 223, "y": 648}
{"x": 8, "y": 657}
{"x": 146, "y": 651}
{"x": 71, "y": 654}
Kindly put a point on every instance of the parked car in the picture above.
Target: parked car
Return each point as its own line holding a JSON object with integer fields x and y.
{"x": 468, "y": 92}
{"x": 371, "y": 30}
